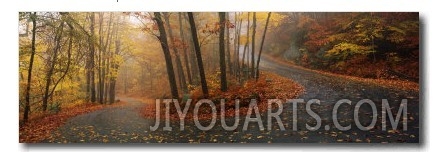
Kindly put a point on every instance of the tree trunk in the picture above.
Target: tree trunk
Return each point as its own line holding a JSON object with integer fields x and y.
{"x": 245, "y": 66}
{"x": 223, "y": 85}
{"x": 57, "y": 40}
{"x": 108, "y": 54}
{"x": 198, "y": 55}
{"x": 181, "y": 74}
{"x": 185, "y": 54}
{"x": 107, "y": 81}
{"x": 112, "y": 92}
{"x": 253, "y": 45}
{"x": 150, "y": 75}
{"x": 238, "y": 49}
{"x": 92, "y": 58}
{"x": 235, "y": 45}
{"x": 104, "y": 62}
{"x": 261, "y": 45}
{"x": 88, "y": 93}
{"x": 168, "y": 62}
{"x": 29, "y": 75}
{"x": 125, "y": 81}
{"x": 69, "y": 54}
{"x": 100, "y": 56}
{"x": 114, "y": 66}
{"x": 194, "y": 67}
{"x": 103, "y": 57}
{"x": 229, "y": 61}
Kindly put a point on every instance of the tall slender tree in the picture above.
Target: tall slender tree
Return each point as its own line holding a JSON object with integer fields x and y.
{"x": 229, "y": 61}
{"x": 92, "y": 57}
{"x": 198, "y": 54}
{"x": 100, "y": 66}
{"x": 52, "y": 63}
{"x": 114, "y": 65}
{"x": 261, "y": 44}
{"x": 253, "y": 44}
{"x": 238, "y": 37}
{"x": 181, "y": 74}
{"x": 69, "y": 54}
{"x": 245, "y": 66}
{"x": 29, "y": 73}
{"x": 185, "y": 54}
{"x": 223, "y": 77}
{"x": 168, "y": 62}
{"x": 108, "y": 63}
{"x": 103, "y": 94}
{"x": 194, "y": 66}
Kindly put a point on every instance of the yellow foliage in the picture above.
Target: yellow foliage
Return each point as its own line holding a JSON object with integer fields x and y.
{"x": 344, "y": 50}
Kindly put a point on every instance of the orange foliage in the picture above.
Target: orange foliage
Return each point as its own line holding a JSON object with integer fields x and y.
{"x": 269, "y": 86}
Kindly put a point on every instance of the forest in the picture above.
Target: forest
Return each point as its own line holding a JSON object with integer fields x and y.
{"x": 351, "y": 43}
{"x": 77, "y": 63}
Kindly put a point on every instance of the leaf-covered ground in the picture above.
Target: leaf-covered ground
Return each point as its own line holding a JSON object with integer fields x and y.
{"x": 40, "y": 128}
{"x": 268, "y": 86}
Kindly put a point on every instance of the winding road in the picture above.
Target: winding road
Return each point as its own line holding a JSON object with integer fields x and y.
{"x": 124, "y": 125}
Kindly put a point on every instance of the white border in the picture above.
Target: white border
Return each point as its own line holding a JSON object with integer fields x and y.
{"x": 221, "y": 5}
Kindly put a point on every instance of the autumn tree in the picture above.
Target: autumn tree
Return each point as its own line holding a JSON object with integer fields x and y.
{"x": 228, "y": 25}
{"x": 115, "y": 60}
{"x": 51, "y": 63}
{"x": 168, "y": 62}
{"x": 32, "y": 17}
{"x": 261, "y": 45}
{"x": 198, "y": 54}
{"x": 91, "y": 58}
{"x": 57, "y": 54}
{"x": 185, "y": 53}
{"x": 238, "y": 44}
{"x": 102, "y": 55}
{"x": 195, "y": 74}
{"x": 223, "y": 77}
{"x": 245, "y": 66}
{"x": 55, "y": 57}
{"x": 253, "y": 44}
{"x": 181, "y": 74}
